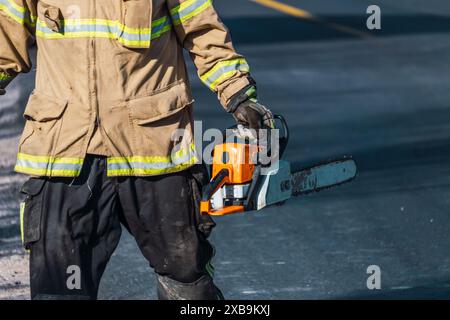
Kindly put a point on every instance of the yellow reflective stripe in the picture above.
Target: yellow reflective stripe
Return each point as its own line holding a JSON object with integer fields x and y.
{"x": 161, "y": 26}
{"x": 21, "y": 221}
{"x": 222, "y": 64}
{"x": 154, "y": 159}
{"x": 49, "y": 159}
{"x": 11, "y": 15}
{"x": 48, "y": 166}
{"x": 224, "y": 77}
{"x": 22, "y": 210}
{"x": 149, "y": 159}
{"x": 46, "y": 172}
{"x": 152, "y": 165}
{"x": 188, "y": 9}
{"x": 17, "y": 13}
{"x": 5, "y": 79}
{"x": 94, "y": 34}
{"x": 133, "y": 43}
{"x": 101, "y": 22}
{"x": 4, "y": 76}
{"x": 13, "y": 4}
{"x": 102, "y": 28}
{"x": 210, "y": 269}
{"x": 140, "y": 171}
{"x": 224, "y": 70}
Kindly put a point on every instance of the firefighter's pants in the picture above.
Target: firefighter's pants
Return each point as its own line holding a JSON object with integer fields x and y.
{"x": 71, "y": 227}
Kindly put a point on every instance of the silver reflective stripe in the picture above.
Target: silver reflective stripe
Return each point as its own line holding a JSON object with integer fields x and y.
{"x": 188, "y": 9}
{"x": 127, "y": 165}
{"x": 48, "y": 165}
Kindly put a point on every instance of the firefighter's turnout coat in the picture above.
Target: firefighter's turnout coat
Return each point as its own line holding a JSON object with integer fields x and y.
{"x": 111, "y": 79}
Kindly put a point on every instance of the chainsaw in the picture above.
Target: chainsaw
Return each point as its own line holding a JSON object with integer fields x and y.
{"x": 239, "y": 183}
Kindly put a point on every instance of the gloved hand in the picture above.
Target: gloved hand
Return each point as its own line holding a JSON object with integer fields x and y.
{"x": 2, "y": 91}
{"x": 254, "y": 115}
{"x": 246, "y": 110}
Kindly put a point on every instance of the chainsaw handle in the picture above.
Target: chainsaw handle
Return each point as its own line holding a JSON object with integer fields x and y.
{"x": 284, "y": 139}
{"x": 208, "y": 191}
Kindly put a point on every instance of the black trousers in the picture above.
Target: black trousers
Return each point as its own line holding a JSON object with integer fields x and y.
{"x": 71, "y": 226}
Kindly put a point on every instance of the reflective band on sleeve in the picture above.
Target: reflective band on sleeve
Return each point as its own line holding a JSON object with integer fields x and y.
{"x": 101, "y": 28}
{"x": 210, "y": 269}
{"x": 161, "y": 26}
{"x": 17, "y": 13}
{"x": 188, "y": 9}
{"x": 5, "y": 79}
{"x": 251, "y": 92}
{"x": 48, "y": 166}
{"x": 224, "y": 70}
{"x": 130, "y": 166}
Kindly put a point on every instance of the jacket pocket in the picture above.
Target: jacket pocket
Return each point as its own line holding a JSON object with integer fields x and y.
{"x": 160, "y": 105}
{"x": 43, "y": 124}
{"x": 31, "y": 211}
{"x": 136, "y": 23}
{"x": 161, "y": 125}
{"x": 43, "y": 108}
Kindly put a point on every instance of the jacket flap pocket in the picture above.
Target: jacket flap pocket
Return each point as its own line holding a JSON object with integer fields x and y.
{"x": 160, "y": 105}
{"x": 52, "y": 16}
{"x": 33, "y": 186}
{"x": 44, "y": 108}
{"x": 136, "y": 24}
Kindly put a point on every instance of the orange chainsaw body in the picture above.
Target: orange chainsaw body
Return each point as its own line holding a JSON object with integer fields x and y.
{"x": 234, "y": 163}
{"x": 237, "y": 158}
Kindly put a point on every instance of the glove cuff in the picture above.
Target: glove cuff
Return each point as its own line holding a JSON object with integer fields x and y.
{"x": 247, "y": 93}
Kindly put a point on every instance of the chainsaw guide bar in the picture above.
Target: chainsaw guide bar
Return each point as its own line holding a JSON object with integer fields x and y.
{"x": 323, "y": 176}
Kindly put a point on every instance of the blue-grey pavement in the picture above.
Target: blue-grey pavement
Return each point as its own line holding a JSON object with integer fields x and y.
{"x": 383, "y": 99}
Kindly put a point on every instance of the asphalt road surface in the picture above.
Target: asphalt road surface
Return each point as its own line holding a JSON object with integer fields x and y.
{"x": 381, "y": 96}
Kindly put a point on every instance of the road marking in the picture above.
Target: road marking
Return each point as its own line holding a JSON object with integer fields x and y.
{"x": 293, "y": 11}
{"x": 303, "y": 14}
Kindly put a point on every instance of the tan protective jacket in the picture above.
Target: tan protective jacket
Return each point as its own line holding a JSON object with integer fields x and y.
{"x": 111, "y": 77}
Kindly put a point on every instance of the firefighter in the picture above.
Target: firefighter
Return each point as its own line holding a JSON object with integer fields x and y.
{"x": 111, "y": 88}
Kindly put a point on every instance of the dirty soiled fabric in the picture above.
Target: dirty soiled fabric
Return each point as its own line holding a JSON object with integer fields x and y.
{"x": 72, "y": 223}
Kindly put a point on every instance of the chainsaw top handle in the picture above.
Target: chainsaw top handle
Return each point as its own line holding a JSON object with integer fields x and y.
{"x": 284, "y": 138}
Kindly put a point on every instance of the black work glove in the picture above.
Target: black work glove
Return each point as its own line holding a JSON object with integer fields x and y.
{"x": 253, "y": 115}
{"x": 2, "y": 91}
{"x": 247, "y": 111}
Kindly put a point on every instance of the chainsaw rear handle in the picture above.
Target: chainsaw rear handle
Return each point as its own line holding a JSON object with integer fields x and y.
{"x": 208, "y": 191}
